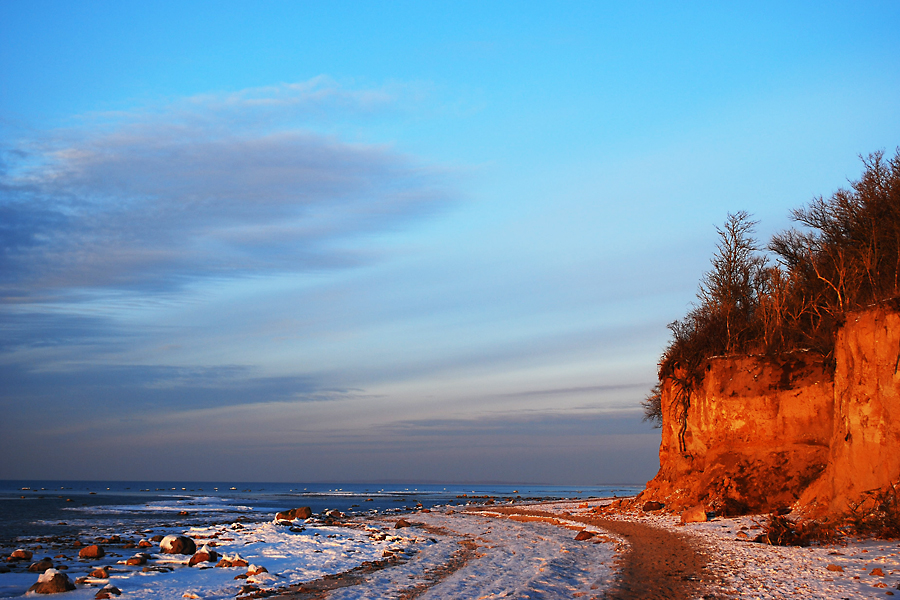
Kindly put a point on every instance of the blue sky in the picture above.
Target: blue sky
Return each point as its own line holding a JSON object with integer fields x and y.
{"x": 391, "y": 241}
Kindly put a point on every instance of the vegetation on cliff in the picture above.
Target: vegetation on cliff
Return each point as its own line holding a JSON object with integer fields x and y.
{"x": 845, "y": 255}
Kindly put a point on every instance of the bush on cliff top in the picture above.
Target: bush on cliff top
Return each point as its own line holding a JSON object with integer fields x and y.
{"x": 844, "y": 256}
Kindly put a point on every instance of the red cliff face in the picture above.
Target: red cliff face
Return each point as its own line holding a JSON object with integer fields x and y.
{"x": 762, "y": 433}
{"x": 864, "y": 453}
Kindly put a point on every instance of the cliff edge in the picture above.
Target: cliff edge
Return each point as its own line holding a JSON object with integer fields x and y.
{"x": 763, "y": 433}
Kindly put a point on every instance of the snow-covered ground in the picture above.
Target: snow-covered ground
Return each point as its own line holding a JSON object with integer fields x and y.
{"x": 447, "y": 553}
{"x": 443, "y": 554}
{"x": 753, "y": 570}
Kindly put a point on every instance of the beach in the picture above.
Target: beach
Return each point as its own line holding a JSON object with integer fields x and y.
{"x": 472, "y": 548}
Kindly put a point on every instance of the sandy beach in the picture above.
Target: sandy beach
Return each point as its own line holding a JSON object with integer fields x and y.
{"x": 561, "y": 549}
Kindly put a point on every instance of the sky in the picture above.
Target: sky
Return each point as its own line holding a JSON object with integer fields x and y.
{"x": 391, "y": 242}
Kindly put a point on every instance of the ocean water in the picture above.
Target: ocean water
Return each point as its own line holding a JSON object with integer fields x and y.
{"x": 33, "y": 509}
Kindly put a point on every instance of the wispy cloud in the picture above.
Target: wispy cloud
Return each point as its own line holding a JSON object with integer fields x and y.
{"x": 219, "y": 185}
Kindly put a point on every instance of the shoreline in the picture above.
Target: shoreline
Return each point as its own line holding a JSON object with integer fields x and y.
{"x": 502, "y": 550}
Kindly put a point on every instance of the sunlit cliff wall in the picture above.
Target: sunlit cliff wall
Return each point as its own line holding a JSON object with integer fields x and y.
{"x": 762, "y": 433}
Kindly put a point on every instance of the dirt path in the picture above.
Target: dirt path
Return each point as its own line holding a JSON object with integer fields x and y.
{"x": 658, "y": 565}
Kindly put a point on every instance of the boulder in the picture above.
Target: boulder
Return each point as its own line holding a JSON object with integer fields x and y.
{"x": 108, "y": 592}
{"x": 205, "y": 554}
{"x": 877, "y": 572}
{"x": 697, "y": 514}
{"x": 653, "y": 505}
{"x": 156, "y": 538}
{"x": 303, "y": 512}
{"x": 138, "y": 559}
{"x": 92, "y": 551}
{"x": 52, "y": 582}
{"x": 20, "y": 554}
{"x": 584, "y": 535}
{"x": 177, "y": 544}
{"x": 144, "y": 544}
{"x": 101, "y": 573}
{"x": 401, "y": 523}
{"x": 41, "y": 566}
{"x": 835, "y": 568}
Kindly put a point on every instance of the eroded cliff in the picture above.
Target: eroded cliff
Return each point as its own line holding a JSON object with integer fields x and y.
{"x": 762, "y": 433}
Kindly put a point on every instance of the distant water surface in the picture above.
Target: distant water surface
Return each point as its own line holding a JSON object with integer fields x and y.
{"x": 31, "y": 509}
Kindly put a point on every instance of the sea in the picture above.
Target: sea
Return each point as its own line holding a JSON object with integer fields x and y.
{"x": 35, "y": 509}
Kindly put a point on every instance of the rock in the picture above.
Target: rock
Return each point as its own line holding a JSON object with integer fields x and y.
{"x": 156, "y": 538}
{"x": 177, "y": 544}
{"x": 52, "y": 582}
{"x": 653, "y": 505}
{"x": 20, "y": 554}
{"x": 255, "y": 570}
{"x": 205, "y": 554}
{"x": 334, "y": 514}
{"x": 743, "y": 535}
{"x": 41, "y": 566}
{"x": 584, "y": 535}
{"x": 696, "y": 514}
{"x": 108, "y": 592}
{"x": 144, "y": 544}
{"x": 877, "y": 572}
{"x": 303, "y": 512}
{"x": 100, "y": 573}
{"x": 401, "y": 523}
{"x": 4, "y": 569}
{"x": 835, "y": 568}
{"x": 93, "y": 551}
{"x": 138, "y": 559}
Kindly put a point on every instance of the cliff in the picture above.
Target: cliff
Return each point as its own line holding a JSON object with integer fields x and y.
{"x": 763, "y": 433}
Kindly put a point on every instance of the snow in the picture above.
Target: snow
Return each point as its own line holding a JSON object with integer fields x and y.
{"x": 447, "y": 553}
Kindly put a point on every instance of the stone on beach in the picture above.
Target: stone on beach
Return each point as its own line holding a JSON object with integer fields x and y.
{"x": 41, "y": 566}
{"x": 653, "y": 505}
{"x": 138, "y": 559}
{"x": 835, "y": 568}
{"x": 303, "y": 512}
{"x": 401, "y": 523}
{"x": 101, "y": 573}
{"x": 696, "y": 514}
{"x": 92, "y": 551}
{"x": 52, "y": 582}
{"x": 108, "y": 592}
{"x": 205, "y": 554}
{"x": 584, "y": 535}
{"x": 20, "y": 554}
{"x": 177, "y": 544}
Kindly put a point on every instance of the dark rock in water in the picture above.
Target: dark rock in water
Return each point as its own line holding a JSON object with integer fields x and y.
{"x": 304, "y": 512}
{"x": 100, "y": 573}
{"x": 52, "y": 582}
{"x": 41, "y": 566}
{"x": 20, "y": 554}
{"x": 401, "y": 523}
{"x": 156, "y": 538}
{"x": 653, "y": 505}
{"x": 145, "y": 544}
{"x": 93, "y": 551}
{"x": 177, "y": 544}
{"x": 584, "y": 535}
